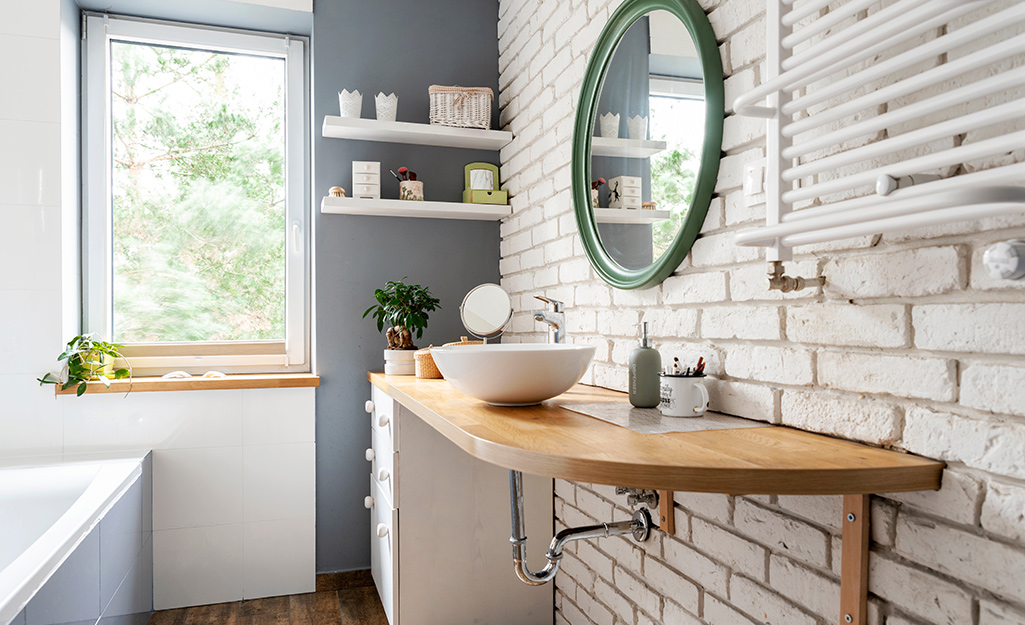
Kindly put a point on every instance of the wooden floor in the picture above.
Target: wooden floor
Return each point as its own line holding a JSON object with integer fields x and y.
{"x": 341, "y": 599}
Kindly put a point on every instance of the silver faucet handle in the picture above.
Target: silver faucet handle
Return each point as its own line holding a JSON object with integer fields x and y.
{"x": 556, "y": 305}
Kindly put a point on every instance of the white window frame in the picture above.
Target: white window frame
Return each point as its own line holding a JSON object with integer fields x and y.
{"x": 291, "y": 354}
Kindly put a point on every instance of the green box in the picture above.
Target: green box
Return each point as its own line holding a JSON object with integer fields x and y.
{"x": 483, "y": 176}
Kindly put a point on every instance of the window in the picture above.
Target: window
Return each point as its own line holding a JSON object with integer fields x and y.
{"x": 195, "y": 196}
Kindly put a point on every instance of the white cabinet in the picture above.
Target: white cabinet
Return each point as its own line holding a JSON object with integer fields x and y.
{"x": 440, "y": 529}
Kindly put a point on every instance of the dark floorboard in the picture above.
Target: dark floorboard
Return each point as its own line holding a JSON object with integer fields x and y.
{"x": 341, "y": 599}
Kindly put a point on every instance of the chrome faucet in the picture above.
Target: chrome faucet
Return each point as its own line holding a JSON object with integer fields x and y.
{"x": 554, "y": 315}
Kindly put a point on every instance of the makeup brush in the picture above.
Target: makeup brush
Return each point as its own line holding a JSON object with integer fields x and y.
{"x": 396, "y": 175}
{"x": 403, "y": 171}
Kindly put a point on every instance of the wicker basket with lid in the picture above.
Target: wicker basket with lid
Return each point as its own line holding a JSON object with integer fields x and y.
{"x": 464, "y": 341}
{"x": 425, "y": 367}
{"x": 462, "y": 107}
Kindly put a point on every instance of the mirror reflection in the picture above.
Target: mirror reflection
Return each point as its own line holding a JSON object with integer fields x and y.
{"x": 649, "y": 133}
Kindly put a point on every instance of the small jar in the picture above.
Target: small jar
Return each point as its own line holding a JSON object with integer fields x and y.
{"x": 411, "y": 190}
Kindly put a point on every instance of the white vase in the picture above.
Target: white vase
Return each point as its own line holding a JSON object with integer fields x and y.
{"x": 637, "y": 127}
{"x": 399, "y": 362}
{"x": 350, "y": 104}
{"x": 387, "y": 106}
{"x": 610, "y": 125}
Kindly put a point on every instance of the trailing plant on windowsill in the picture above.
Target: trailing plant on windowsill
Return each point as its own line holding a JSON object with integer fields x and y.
{"x": 87, "y": 358}
{"x": 404, "y": 308}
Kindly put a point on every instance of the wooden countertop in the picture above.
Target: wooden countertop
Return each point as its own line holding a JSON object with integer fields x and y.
{"x": 551, "y": 441}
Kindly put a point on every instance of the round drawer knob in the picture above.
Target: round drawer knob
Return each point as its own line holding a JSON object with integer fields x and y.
{"x": 383, "y": 420}
{"x": 382, "y": 530}
{"x": 371, "y": 454}
{"x": 368, "y": 502}
{"x": 369, "y": 406}
{"x": 382, "y": 475}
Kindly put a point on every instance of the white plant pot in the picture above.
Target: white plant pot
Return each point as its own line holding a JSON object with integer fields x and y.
{"x": 399, "y": 362}
{"x": 609, "y": 125}
{"x": 637, "y": 127}
{"x": 387, "y": 106}
{"x": 350, "y": 104}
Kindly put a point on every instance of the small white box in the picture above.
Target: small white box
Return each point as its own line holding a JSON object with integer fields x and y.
{"x": 366, "y": 180}
{"x": 625, "y": 192}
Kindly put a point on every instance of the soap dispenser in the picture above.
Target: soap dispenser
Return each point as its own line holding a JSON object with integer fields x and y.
{"x": 645, "y": 365}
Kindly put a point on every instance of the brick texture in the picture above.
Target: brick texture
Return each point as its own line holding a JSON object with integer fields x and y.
{"x": 910, "y": 345}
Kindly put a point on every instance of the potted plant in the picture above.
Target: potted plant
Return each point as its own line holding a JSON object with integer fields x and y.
{"x": 87, "y": 358}
{"x": 403, "y": 308}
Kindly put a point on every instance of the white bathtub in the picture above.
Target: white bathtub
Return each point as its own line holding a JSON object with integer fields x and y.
{"x": 45, "y": 511}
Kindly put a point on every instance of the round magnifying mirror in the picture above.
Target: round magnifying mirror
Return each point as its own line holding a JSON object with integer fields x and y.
{"x": 486, "y": 311}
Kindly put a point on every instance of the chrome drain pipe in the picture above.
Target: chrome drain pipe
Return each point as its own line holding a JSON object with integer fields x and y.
{"x": 639, "y": 526}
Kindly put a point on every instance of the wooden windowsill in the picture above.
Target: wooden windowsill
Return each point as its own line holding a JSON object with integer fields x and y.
{"x": 196, "y": 383}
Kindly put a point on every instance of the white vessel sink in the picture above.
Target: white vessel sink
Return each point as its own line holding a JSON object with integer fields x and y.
{"x": 521, "y": 374}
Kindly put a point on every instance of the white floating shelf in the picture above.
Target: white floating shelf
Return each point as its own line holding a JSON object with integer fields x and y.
{"x": 629, "y": 216}
{"x": 420, "y": 134}
{"x": 406, "y": 208}
{"x": 626, "y": 148}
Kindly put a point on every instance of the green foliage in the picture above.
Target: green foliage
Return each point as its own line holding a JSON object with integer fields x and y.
{"x": 404, "y": 306}
{"x": 87, "y": 358}
{"x": 198, "y": 195}
{"x": 673, "y": 177}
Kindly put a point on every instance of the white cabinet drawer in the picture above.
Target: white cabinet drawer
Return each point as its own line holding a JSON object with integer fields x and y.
{"x": 384, "y": 417}
{"x": 366, "y": 167}
{"x": 382, "y": 466}
{"x": 384, "y": 551}
{"x": 359, "y": 178}
{"x": 371, "y": 191}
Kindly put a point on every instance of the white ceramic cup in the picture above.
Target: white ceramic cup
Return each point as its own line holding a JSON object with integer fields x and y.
{"x": 683, "y": 396}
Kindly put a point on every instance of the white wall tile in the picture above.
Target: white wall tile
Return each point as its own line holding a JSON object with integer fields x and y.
{"x": 30, "y": 338}
{"x": 194, "y": 487}
{"x": 197, "y": 566}
{"x": 30, "y": 242}
{"x": 30, "y": 74}
{"x": 30, "y": 417}
{"x": 34, "y": 18}
{"x": 30, "y": 163}
{"x": 280, "y": 481}
{"x": 279, "y": 557}
{"x": 178, "y": 420}
{"x": 278, "y": 415}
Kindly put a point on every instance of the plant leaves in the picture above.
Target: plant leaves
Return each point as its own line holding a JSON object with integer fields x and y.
{"x": 81, "y": 389}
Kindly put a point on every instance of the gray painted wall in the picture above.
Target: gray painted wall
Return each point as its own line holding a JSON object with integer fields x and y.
{"x": 402, "y": 46}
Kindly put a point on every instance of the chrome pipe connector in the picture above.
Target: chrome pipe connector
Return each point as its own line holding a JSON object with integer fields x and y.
{"x": 787, "y": 284}
{"x": 639, "y": 526}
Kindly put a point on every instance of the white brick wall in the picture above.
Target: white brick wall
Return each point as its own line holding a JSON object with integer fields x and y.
{"x": 909, "y": 345}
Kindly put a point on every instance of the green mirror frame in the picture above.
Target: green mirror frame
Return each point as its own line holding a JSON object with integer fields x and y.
{"x": 693, "y": 17}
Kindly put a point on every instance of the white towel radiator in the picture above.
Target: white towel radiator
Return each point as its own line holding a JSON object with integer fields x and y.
{"x": 916, "y": 126}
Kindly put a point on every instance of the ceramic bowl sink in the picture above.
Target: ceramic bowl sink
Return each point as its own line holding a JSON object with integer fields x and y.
{"x": 521, "y": 374}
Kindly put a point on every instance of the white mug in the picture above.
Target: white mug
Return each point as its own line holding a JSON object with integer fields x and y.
{"x": 683, "y": 396}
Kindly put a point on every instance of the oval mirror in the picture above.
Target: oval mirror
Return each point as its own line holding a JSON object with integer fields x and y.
{"x": 486, "y": 310}
{"x": 647, "y": 140}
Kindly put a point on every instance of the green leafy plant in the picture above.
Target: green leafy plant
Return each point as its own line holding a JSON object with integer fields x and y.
{"x": 87, "y": 358}
{"x": 404, "y": 309}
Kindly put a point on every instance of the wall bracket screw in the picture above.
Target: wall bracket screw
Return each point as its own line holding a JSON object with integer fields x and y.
{"x": 847, "y": 618}
{"x": 850, "y": 518}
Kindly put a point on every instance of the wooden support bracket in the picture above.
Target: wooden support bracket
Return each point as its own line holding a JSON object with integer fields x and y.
{"x": 666, "y": 515}
{"x": 854, "y": 560}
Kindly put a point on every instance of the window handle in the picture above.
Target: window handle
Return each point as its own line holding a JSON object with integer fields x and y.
{"x": 296, "y": 237}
